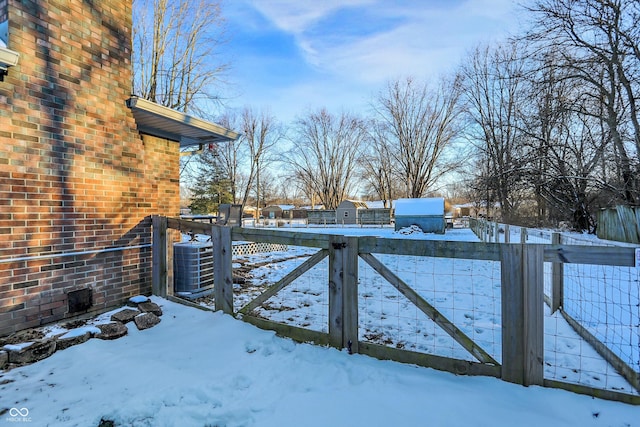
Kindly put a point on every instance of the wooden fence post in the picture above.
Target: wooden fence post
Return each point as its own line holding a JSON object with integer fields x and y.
{"x": 522, "y": 314}
{"x": 343, "y": 292}
{"x": 496, "y": 237}
{"x": 523, "y": 235}
{"x": 159, "y": 269}
{"x": 507, "y": 234}
{"x": 222, "y": 268}
{"x": 557, "y": 277}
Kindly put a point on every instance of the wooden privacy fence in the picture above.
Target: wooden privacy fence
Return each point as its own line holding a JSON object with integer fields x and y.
{"x": 621, "y": 224}
{"x": 522, "y": 292}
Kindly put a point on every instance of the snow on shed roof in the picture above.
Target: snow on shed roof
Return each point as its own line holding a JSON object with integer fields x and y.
{"x": 281, "y": 207}
{"x": 378, "y": 204}
{"x": 418, "y": 207}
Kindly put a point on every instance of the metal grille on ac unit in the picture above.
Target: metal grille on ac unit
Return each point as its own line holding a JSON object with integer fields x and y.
{"x": 193, "y": 268}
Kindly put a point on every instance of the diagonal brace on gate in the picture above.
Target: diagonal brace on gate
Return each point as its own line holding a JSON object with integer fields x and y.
{"x": 438, "y": 318}
{"x": 286, "y": 280}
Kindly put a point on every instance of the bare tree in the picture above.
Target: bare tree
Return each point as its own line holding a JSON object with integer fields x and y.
{"x": 175, "y": 61}
{"x": 565, "y": 145}
{"x": 230, "y": 154}
{"x": 597, "y": 41}
{"x": 261, "y": 133}
{"x": 419, "y": 123}
{"x": 493, "y": 81}
{"x": 325, "y": 154}
{"x": 377, "y": 165}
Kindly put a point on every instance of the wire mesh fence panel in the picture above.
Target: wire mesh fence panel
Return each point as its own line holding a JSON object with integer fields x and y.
{"x": 605, "y": 300}
{"x": 256, "y": 272}
{"x": 387, "y": 317}
{"x": 570, "y": 358}
{"x": 538, "y": 236}
{"x": 515, "y": 234}
{"x": 601, "y": 301}
{"x": 302, "y": 303}
{"x": 463, "y": 292}
{"x": 447, "y": 307}
{"x": 586, "y": 240}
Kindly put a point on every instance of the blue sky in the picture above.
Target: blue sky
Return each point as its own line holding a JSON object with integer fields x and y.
{"x": 292, "y": 56}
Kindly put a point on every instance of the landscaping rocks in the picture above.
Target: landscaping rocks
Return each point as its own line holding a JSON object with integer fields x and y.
{"x": 146, "y": 320}
{"x": 72, "y": 338}
{"x": 111, "y": 331}
{"x": 125, "y": 316}
{"x": 32, "y": 345}
{"x": 22, "y": 337}
{"x": 138, "y": 299}
{"x": 150, "y": 307}
{"x": 21, "y": 354}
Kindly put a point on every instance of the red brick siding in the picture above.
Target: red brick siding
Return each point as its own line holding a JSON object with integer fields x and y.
{"x": 75, "y": 175}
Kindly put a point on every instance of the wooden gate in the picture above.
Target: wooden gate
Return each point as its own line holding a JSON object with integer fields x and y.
{"x": 521, "y": 292}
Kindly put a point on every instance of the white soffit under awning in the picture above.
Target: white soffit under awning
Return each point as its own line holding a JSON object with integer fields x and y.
{"x": 157, "y": 120}
{"x": 8, "y": 58}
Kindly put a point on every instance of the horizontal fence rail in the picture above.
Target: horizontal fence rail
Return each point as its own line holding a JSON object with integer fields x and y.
{"x": 506, "y": 281}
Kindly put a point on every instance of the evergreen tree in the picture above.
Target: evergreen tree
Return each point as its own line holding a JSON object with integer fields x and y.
{"x": 211, "y": 187}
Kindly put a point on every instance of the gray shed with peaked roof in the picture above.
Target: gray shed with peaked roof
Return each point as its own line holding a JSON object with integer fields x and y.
{"x": 347, "y": 211}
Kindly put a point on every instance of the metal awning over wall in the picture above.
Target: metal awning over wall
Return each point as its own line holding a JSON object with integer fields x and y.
{"x": 8, "y": 58}
{"x": 157, "y": 120}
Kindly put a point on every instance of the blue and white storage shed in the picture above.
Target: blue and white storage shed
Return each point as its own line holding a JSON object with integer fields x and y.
{"x": 427, "y": 213}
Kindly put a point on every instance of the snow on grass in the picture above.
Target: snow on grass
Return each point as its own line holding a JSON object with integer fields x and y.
{"x": 467, "y": 292}
{"x": 199, "y": 369}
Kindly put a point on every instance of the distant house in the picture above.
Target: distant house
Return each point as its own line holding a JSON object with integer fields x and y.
{"x": 347, "y": 211}
{"x": 428, "y": 214}
{"x": 249, "y": 211}
{"x": 278, "y": 211}
{"x": 464, "y": 210}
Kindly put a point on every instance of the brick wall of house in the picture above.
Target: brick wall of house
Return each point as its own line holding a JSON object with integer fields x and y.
{"x": 77, "y": 182}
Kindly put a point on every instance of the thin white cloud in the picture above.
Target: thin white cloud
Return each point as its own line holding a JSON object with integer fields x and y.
{"x": 418, "y": 38}
{"x": 296, "y": 16}
{"x": 427, "y": 36}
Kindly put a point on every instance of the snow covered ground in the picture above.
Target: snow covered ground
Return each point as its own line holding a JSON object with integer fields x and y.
{"x": 467, "y": 292}
{"x": 198, "y": 368}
